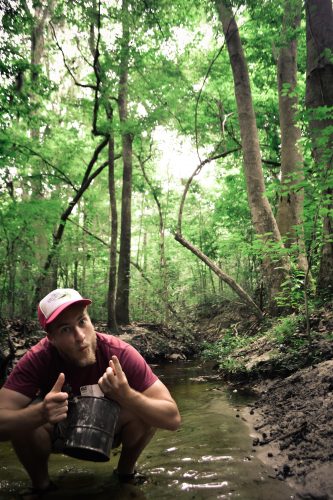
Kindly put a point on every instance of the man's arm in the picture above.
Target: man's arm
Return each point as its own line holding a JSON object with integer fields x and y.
{"x": 155, "y": 405}
{"x": 16, "y": 412}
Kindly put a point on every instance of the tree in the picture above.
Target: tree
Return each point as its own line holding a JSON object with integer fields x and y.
{"x": 123, "y": 287}
{"x": 262, "y": 216}
{"x": 319, "y": 101}
{"x": 290, "y": 208}
{"x": 88, "y": 177}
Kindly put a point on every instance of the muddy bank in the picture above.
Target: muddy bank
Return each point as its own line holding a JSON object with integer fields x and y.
{"x": 292, "y": 427}
{"x": 291, "y": 421}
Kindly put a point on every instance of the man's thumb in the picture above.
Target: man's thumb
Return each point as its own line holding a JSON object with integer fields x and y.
{"x": 59, "y": 383}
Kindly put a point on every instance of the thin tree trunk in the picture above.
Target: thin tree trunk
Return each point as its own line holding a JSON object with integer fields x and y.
{"x": 163, "y": 264}
{"x": 57, "y": 236}
{"x": 11, "y": 260}
{"x": 112, "y": 320}
{"x": 290, "y": 208}
{"x": 262, "y": 216}
{"x": 142, "y": 209}
{"x": 123, "y": 286}
{"x": 112, "y": 278}
{"x": 319, "y": 94}
{"x": 84, "y": 255}
{"x": 42, "y": 12}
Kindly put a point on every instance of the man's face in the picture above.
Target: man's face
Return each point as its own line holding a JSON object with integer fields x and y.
{"x": 74, "y": 336}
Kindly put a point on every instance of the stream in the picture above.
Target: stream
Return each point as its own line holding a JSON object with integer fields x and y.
{"x": 210, "y": 456}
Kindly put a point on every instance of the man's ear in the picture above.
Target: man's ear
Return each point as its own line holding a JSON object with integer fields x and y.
{"x": 50, "y": 336}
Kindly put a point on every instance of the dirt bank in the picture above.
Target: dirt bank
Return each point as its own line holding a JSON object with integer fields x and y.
{"x": 292, "y": 428}
{"x": 292, "y": 419}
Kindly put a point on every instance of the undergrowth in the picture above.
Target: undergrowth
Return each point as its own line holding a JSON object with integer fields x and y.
{"x": 285, "y": 335}
{"x": 222, "y": 351}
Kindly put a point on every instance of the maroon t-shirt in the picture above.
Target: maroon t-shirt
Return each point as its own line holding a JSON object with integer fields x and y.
{"x": 37, "y": 371}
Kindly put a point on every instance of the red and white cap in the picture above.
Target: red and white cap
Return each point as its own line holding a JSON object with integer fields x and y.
{"x": 57, "y": 301}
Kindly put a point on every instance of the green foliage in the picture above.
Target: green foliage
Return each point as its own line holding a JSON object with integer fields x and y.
{"x": 179, "y": 78}
{"x": 228, "y": 344}
{"x": 292, "y": 290}
{"x": 286, "y": 332}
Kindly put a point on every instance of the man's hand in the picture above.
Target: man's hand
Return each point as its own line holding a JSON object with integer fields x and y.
{"x": 55, "y": 404}
{"x": 155, "y": 406}
{"x": 114, "y": 383}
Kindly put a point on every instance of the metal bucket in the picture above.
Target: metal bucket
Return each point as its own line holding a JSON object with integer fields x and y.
{"x": 91, "y": 427}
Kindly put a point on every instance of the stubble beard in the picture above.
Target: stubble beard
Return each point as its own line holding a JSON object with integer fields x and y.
{"x": 83, "y": 358}
{"x": 89, "y": 359}
{"x": 89, "y": 355}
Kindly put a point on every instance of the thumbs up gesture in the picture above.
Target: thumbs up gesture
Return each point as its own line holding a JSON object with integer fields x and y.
{"x": 55, "y": 404}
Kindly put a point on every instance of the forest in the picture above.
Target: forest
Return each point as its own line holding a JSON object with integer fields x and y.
{"x": 163, "y": 158}
{"x": 172, "y": 161}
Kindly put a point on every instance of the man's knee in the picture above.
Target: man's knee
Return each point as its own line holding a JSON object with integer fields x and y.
{"x": 36, "y": 438}
{"x": 130, "y": 430}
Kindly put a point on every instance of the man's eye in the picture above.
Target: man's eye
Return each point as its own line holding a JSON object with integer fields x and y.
{"x": 66, "y": 329}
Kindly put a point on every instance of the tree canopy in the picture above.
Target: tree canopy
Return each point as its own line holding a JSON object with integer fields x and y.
{"x": 164, "y": 156}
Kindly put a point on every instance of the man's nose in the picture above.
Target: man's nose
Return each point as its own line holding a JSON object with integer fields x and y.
{"x": 79, "y": 334}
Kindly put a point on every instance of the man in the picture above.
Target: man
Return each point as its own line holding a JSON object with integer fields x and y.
{"x": 73, "y": 353}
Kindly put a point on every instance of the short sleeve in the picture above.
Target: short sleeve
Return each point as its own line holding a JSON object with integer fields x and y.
{"x": 139, "y": 374}
{"x": 24, "y": 377}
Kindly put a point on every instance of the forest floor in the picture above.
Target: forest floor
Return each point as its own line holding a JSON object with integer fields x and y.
{"x": 290, "y": 371}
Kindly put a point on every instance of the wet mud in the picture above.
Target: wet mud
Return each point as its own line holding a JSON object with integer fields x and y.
{"x": 291, "y": 424}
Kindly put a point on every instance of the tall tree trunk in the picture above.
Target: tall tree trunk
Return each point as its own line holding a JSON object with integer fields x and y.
{"x": 290, "y": 208}
{"x": 42, "y": 12}
{"x": 40, "y": 18}
{"x": 123, "y": 287}
{"x": 112, "y": 278}
{"x": 262, "y": 216}
{"x": 319, "y": 94}
{"x": 112, "y": 320}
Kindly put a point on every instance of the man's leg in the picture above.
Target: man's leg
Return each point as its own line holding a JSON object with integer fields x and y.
{"x": 134, "y": 436}
{"x": 33, "y": 450}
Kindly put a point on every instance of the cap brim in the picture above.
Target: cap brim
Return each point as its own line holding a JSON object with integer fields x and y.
{"x": 61, "y": 308}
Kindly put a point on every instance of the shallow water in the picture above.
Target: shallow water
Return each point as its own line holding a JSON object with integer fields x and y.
{"x": 211, "y": 456}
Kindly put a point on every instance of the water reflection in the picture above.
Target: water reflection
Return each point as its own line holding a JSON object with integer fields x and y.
{"x": 210, "y": 456}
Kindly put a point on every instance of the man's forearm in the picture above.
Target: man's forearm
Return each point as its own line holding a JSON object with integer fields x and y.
{"x": 160, "y": 413}
{"x": 28, "y": 418}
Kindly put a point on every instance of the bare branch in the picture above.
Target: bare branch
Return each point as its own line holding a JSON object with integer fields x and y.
{"x": 188, "y": 183}
{"x": 62, "y": 176}
{"x": 84, "y": 85}
{"x": 199, "y": 96}
{"x": 271, "y": 162}
{"x": 223, "y": 276}
{"x": 93, "y": 160}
